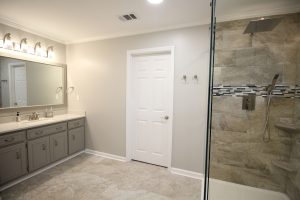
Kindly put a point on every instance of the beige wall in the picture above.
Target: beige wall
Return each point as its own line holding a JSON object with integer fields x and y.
{"x": 98, "y": 71}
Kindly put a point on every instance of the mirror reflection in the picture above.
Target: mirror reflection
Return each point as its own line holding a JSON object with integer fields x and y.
{"x": 26, "y": 83}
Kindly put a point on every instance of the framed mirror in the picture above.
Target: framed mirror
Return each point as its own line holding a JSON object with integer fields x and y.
{"x": 25, "y": 83}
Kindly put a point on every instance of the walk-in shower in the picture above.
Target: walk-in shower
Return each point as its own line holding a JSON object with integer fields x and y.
{"x": 254, "y": 153}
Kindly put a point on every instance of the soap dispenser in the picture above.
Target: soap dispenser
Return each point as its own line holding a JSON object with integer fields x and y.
{"x": 49, "y": 113}
{"x": 18, "y": 117}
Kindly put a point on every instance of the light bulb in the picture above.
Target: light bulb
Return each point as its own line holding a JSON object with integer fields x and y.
{"x": 24, "y": 45}
{"x": 7, "y": 43}
{"x": 38, "y": 49}
{"x": 50, "y": 52}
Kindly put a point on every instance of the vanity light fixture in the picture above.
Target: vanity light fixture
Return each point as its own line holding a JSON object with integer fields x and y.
{"x": 38, "y": 49}
{"x": 23, "y": 45}
{"x": 155, "y": 1}
{"x": 7, "y": 43}
{"x": 50, "y": 52}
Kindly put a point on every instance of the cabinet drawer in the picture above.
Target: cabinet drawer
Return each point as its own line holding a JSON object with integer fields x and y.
{"x": 12, "y": 138}
{"x": 46, "y": 130}
{"x": 75, "y": 123}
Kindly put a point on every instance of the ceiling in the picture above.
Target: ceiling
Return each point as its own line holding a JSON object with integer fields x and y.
{"x": 72, "y": 21}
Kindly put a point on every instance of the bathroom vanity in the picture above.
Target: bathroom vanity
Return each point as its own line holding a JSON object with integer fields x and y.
{"x": 31, "y": 145}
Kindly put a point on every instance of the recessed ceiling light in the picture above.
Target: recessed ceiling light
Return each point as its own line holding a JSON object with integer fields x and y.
{"x": 155, "y": 1}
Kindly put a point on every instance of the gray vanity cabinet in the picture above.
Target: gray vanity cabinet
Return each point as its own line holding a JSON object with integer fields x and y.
{"x": 58, "y": 146}
{"x": 38, "y": 153}
{"x": 32, "y": 149}
{"x": 13, "y": 162}
{"x": 76, "y": 140}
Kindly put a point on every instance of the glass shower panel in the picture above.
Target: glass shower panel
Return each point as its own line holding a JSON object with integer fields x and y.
{"x": 255, "y": 134}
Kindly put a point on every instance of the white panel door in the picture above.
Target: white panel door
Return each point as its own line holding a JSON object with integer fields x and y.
{"x": 151, "y": 96}
{"x": 19, "y": 85}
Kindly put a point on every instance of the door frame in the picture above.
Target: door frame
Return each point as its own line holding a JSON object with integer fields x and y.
{"x": 11, "y": 76}
{"x": 129, "y": 103}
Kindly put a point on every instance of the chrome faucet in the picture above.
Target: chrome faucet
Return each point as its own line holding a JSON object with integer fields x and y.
{"x": 34, "y": 116}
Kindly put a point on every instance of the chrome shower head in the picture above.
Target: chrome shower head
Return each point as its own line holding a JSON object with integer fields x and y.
{"x": 262, "y": 25}
{"x": 274, "y": 81}
{"x": 275, "y": 78}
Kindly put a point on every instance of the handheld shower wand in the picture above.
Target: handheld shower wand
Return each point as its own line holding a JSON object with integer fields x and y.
{"x": 270, "y": 88}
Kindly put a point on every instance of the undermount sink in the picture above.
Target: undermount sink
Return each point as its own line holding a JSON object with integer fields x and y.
{"x": 35, "y": 121}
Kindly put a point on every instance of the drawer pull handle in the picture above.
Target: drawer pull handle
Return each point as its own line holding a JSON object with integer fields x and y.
{"x": 44, "y": 147}
{"x": 55, "y": 142}
{"x": 18, "y": 155}
{"x": 73, "y": 137}
{"x": 59, "y": 128}
{"x": 77, "y": 124}
{"x": 9, "y": 139}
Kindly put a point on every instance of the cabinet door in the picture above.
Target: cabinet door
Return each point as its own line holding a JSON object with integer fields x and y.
{"x": 38, "y": 153}
{"x": 76, "y": 140}
{"x": 58, "y": 146}
{"x": 13, "y": 162}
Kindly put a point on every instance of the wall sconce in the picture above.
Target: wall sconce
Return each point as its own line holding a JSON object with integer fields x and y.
{"x": 7, "y": 43}
{"x": 23, "y": 45}
{"x": 50, "y": 52}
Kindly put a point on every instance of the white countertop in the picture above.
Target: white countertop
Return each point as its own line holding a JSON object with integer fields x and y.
{"x": 16, "y": 126}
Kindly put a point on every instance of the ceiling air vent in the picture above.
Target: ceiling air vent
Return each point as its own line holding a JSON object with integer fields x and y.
{"x": 128, "y": 17}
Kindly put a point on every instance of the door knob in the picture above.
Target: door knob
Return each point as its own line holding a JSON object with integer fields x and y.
{"x": 166, "y": 117}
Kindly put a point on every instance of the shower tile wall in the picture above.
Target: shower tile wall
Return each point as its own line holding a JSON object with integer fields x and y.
{"x": 238, "y": 153}
{"x": 293, "y": 181}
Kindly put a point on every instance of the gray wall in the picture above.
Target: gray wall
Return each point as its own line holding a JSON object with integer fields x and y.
{"x": 98, "y": 71}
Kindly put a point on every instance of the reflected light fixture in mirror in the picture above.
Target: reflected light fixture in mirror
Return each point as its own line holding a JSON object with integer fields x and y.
{"x": 50, "y": 52}
{"x": 155, "y": 1}
{"x": 7, "y": 43}
{"x": 23, "y": 45}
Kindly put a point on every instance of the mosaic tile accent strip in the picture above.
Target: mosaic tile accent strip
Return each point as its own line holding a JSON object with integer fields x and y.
{"x": 285, "y": 91}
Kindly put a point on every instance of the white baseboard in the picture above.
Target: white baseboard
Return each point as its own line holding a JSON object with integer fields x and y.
{"x": 38, "y": 171}
{"x": 106, "y": 155}
{"x": 187, "y": 173}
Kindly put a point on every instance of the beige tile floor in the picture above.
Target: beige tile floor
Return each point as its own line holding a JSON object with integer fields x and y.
{"x": 88, "y": 177}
